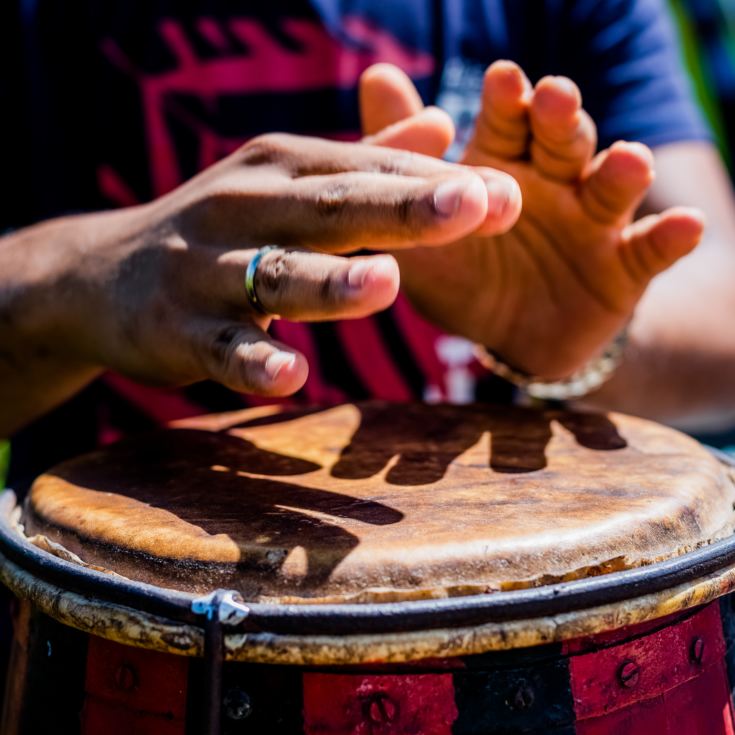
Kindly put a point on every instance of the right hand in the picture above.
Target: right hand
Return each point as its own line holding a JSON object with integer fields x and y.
{"x": 157, "y": 292}
{"x": 551, "y": 293}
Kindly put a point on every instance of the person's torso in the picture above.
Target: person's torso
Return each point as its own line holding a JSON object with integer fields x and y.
{"x": 124, "y": 101}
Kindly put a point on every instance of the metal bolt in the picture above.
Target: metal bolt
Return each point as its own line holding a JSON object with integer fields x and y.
{"x": 237, "y": 704}
{"x": 523, "y": 698}
{"x": 126, "y": 678}
{"x": 628, "y": 674}
{"x": 381, "y": 709}
{"x": 696, "y": 651}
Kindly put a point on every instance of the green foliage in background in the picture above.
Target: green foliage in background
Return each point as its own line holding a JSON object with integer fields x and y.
{"x": 700, "y": 75}
{"x": 4, "y": 461}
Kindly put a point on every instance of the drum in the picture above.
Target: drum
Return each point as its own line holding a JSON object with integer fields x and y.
{"x": 375, "y": 569}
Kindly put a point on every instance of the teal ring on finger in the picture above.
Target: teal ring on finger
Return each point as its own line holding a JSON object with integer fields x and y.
{"x": 252, "y": 268}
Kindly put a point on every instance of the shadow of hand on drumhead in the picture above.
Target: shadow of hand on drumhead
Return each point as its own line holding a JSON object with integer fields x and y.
{"x": 210, "y": 481}
{"x": 418, "y": 446}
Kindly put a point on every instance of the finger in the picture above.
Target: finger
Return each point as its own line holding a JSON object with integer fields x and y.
{"x": 502, "y": 127}
{"x": 244, "y": 358}
{"x": 305, "y": 286}
{"x": 349, "y": 211}
{"x": 564, "y": 137}
{"x": 387, "y": 95}
{"x": 298, "y": 156}
{"x": 430, "y": 132}
{"x": 616, "y": 182}
{"x": 654, "y": 243}
{"x": 383, "y": 211}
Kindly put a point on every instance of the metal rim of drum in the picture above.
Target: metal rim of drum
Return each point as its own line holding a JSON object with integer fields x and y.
{"x": 313, "y": 634}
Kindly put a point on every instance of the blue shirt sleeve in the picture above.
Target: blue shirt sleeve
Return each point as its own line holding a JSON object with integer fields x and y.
{"x": 624, "y": 55}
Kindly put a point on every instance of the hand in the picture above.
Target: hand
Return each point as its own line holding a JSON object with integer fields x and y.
{"x": 553, "y": 291}
{"x": 157, "y": 293}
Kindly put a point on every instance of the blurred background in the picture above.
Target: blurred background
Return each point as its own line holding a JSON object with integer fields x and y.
{"x": 707, "y": 36}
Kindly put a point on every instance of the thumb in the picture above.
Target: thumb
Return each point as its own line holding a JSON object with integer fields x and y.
{"x": 387, "y": 95}
{"x": 429, "y": 132}
{"x": 394, "y": 116}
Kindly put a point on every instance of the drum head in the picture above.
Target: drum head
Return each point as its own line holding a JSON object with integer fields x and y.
{"x": 378, "y": 502}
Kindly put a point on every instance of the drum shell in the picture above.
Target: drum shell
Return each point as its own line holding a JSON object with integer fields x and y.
{"x": 669, "y": 675}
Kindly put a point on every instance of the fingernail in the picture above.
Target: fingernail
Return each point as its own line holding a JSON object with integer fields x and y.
{"x": 358, "y": 274}
{"x": 498, "y": 197}
{"x": 277, "y": 361}
{"x": 375, "y": 269}
{"x": 448, "y": 197}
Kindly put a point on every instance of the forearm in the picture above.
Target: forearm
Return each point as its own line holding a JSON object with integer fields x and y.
{"x": 41, "y": 307}
{"x": 679, "y": 366}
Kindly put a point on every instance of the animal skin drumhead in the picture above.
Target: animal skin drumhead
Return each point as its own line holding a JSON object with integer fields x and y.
{"x": 375, "y": 502}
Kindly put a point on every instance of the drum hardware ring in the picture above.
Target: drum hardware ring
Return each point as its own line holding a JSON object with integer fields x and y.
{"x": 372, "y": 618}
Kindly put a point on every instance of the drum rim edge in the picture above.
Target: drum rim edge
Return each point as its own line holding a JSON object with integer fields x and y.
{"x": 128, "y": 626}
{"x": 342, "y": 620}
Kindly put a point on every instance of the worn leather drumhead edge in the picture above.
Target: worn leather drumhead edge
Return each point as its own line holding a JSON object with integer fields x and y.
{"x": 378, "y": 502}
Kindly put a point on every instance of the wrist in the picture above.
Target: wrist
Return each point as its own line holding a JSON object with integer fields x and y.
{"x": 587, "y": 379}
{"x": 53, "y": 282}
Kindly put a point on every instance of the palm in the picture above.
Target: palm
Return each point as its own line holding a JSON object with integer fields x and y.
{"x": 552, "y": 291}
{"x": 519, "y": 292}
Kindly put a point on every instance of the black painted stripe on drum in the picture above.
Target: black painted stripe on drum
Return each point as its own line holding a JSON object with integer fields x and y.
{"x": 727, "y": 614}
{"x": 56, "y": 656}
{"x": 336, "y": 367}
{"x": 524, "y": 691}
{"x": 262, "y": 699}
{"x": 400, "y": 352}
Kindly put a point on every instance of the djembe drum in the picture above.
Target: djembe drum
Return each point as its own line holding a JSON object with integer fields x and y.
{"x": 377, "y": 570}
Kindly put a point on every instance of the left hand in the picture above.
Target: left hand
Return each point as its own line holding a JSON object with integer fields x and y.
{"x": 549, "y": 294}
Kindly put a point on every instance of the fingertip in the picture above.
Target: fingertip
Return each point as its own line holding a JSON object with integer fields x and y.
{"x": 557, "y": 96}
{"x": 460, "y": 205}
{"x": 383, "y": 71}
{"x": 429, "y": 132}
{"x": 504, "y": 203}
{"x": 460, "y": 196}
{"x": 438, "y": 118}
{"x": 387, "y": 95}
{"x": 286, "y": 372}
{"x": 383, "y": 275}
{"x": 439, "y": 131}
{"x": 506, "y": 76}
{"x": 633, "y": 151}
{"x": 690, "y": 217}
{"x": 684, "y": 227}
{"x": 375, "y": 281}
{"x": 627, "y": 166}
